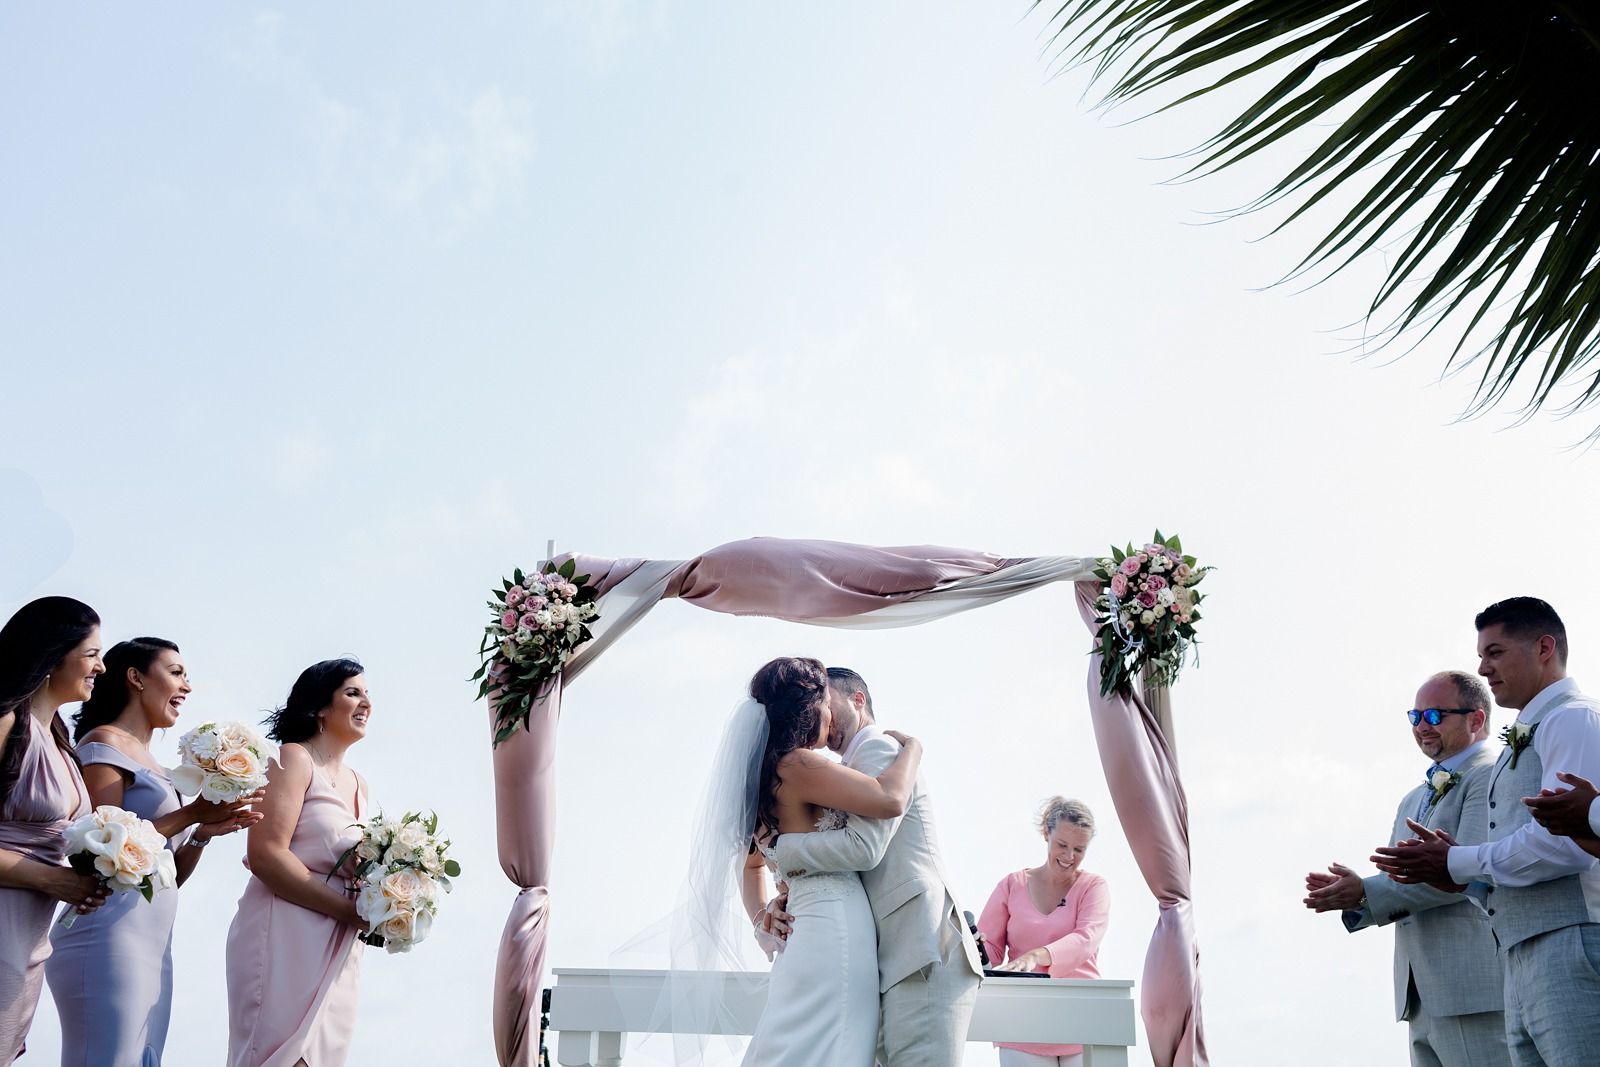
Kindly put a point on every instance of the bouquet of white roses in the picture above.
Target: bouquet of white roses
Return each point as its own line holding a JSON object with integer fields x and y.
{"x": 402, "y": 868}
{"x": 1146, "y": 612}
{"x": 221, "y": 762}
{"x": 538, "y": 620}
{"x": 127, "y": 853}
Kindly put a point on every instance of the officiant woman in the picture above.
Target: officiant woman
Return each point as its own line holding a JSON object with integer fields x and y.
{"x": 1049, "y": 919}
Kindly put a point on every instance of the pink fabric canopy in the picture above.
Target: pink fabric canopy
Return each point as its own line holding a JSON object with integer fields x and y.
{"x": 834, "y": 584}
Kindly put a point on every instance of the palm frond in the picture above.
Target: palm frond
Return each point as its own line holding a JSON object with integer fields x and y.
{"x": 1464, "y": 132}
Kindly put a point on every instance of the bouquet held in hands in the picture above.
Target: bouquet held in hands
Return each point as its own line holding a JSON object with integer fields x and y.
{"x": 127, "y": 853}
{"x": 402, "y": 868}
{"x": 222, "y": 762}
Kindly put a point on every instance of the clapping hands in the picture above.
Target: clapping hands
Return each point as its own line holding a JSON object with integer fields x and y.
{"x": 1336, "y": 889}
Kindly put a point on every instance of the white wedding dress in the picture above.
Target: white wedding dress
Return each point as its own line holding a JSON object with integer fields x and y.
{"x": 822, "y": 999}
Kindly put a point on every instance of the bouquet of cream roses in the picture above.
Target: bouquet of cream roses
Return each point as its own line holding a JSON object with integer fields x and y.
{"x": 538, "y": 620}
{"x": 221, "y": 762}
{"x": 402, "y": 868}
{"x": 127, "y": 853}
{"x": 1146, "y": 612}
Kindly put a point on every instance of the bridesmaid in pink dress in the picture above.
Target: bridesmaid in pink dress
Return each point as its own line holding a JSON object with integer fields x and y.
{"x": 1049, "y": 919}
{"x": 294, "y": 961}
{"x": 49, "y": 656}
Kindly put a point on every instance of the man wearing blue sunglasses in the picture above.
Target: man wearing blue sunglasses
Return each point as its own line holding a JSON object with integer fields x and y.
{"x": 1446, "y": 975}
{"x": 1541, "y": 891}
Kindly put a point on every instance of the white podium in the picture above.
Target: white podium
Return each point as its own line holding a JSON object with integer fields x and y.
{"x": 595, "y": 1010}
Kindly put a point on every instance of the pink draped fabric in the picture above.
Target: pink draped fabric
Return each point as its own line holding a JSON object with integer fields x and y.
{"x": 810, "y": 580}
{"x": 1143, "y": 778}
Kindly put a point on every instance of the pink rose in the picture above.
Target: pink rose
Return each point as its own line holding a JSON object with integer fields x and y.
{"x": 1155, "y": 583}
{"x": 536, "y": 603}
{"x": 1147, "y": 599}
{"x": 1119, "y": 585}
{"x": 508, "y": 621}
{"x": 514, "y": 596}
{"x": 529, "y": 621}
{"x": 1130, "y": 566}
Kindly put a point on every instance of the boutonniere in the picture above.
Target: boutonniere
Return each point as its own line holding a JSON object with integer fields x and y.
{"x": 1518, "y": 736}
{"x": 1441, "y": 782}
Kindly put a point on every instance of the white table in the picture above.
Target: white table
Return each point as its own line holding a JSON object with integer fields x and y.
{"x": 595, "y": 1010}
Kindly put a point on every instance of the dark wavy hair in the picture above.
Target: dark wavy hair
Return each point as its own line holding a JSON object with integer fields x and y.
{"x": 33, "y": 643}
{"x": 313, "y": 690}
{"x": 111, "y": 694}
{"x": 1525, "y": 618}
{"x": 794, "y": 692}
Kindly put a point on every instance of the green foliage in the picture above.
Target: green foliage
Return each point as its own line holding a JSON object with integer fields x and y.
{"x": 1458, "y": 129}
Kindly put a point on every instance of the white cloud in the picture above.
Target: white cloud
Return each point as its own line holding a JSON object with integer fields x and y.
{"x": 459, "y": 155}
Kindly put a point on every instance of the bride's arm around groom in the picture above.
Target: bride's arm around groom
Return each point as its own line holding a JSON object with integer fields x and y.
{"x": 928, "y": 966}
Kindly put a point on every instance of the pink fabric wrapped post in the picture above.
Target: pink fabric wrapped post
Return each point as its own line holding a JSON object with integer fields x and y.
{"x": 1143, "y": 779}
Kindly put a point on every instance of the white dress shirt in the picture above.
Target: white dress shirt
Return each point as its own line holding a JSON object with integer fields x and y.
{"x": 1568, "y": 739}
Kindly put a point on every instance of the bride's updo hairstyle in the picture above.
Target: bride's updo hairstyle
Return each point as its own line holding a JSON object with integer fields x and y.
{"x": 297, "y": 720}
{"x": 794, "y": 692}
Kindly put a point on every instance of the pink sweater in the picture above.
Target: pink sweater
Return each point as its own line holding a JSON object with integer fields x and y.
{"x": 1012, "y": 926}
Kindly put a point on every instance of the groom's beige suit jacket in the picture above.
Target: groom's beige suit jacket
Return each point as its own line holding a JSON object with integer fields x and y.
{"x": 918, "y": 920}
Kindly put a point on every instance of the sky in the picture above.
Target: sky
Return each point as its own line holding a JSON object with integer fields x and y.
{"x": 317, "y": 319}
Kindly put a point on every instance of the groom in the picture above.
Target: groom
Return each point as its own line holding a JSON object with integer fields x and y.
{"x": 928, "y": 969}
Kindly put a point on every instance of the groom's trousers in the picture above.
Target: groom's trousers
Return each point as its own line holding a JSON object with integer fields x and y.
{"x": 926, "y": 1014}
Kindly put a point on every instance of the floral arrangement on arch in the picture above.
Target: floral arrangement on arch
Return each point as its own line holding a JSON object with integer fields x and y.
{"x": 1145, "y": 613}
{"x": 539, "y": 620}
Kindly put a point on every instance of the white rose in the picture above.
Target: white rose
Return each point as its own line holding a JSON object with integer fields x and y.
{"x": 432, "y": 861}
{"x": 399, "y": 931}
{"x": 413, "y": 835}
{"x": 220, "y": 788}
{"x": 1440, "y": 779}
{"x": 1147, "y": 617}
{"x": 1159, "y": 612}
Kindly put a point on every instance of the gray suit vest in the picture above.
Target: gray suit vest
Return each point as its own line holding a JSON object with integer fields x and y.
{"x": 1517, "y": 913}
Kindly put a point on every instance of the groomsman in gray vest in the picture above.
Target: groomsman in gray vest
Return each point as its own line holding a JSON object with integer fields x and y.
{"x": 1542, "y": 892}
{"x": 928, "y": 966}
{"x": 1446, "y": 976}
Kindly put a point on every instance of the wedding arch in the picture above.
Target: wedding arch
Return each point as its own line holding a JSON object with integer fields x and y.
{"x": 826, "y": 583}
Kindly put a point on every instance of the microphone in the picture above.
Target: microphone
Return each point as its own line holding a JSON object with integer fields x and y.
{"x": 972, "y": 924}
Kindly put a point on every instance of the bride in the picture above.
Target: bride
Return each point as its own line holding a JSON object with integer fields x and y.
{"x": 822, "y": 999}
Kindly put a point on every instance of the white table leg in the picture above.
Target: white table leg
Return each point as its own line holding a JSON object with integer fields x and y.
{"x": 589, "y": 1048}
{"x": 1105, "y": 1056}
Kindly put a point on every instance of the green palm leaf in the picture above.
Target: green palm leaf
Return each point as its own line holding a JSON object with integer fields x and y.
{"x": 1464, "y": 133}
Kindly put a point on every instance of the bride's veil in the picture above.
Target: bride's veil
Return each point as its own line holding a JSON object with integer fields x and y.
{"x": 706, "y": 931}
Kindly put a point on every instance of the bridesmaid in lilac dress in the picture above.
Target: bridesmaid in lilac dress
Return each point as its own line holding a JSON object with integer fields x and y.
{"x": 111, "y": 973}
{"x": 294, "y": 961}
{"x": 49, "y": 656}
